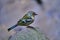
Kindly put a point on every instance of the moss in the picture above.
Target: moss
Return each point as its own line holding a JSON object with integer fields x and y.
{"x": 29, "y": 34}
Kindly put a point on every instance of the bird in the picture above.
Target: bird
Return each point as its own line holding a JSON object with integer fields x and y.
{"x": 26, "y": 20}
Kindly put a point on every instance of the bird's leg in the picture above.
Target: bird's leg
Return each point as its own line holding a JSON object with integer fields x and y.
{"x": 32, "y": 27}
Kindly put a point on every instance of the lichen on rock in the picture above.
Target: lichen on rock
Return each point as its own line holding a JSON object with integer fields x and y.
{"x": 29, "y": 34}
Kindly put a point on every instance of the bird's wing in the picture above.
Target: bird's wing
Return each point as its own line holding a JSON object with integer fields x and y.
{"x": 27, "y": 18}
{"x": 25, "y": 22}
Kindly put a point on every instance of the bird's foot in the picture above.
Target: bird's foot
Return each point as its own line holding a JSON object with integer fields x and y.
{"x": 31, "y": 27}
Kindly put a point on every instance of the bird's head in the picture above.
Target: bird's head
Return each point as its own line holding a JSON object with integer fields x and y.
{"x": 31, "y": 13}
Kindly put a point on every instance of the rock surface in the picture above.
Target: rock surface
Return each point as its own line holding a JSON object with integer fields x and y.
{"x": 29, "y": 34}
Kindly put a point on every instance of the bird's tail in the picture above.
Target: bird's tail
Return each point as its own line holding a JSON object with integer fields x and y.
{"x": 12, "y": 27}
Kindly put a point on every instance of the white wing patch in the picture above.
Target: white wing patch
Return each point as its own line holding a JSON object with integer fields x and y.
{"x": 24, "y": 20}
{"x": 28, "y": 20}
